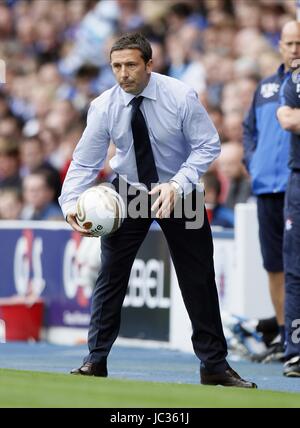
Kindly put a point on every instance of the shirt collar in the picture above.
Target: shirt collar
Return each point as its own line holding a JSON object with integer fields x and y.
{"x": 148, "y": 92}
{"x": 281, "y": 73}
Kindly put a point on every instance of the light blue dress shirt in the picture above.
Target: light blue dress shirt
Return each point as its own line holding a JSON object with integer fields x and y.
{"x": 183, "y": 138}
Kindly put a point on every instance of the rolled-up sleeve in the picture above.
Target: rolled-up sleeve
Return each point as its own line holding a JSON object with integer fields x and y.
{"x": 88, "y": 158}
{"x": 203, "y": 139}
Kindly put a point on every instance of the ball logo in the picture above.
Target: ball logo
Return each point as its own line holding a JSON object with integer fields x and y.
{"x": 80, "y": 210}
{"x": 87, "y": 225}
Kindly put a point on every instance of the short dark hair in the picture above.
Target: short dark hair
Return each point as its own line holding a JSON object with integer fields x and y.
{"x": 134, "y": 41}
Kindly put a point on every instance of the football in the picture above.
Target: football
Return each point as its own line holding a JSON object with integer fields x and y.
{"x": 100, "y": 210}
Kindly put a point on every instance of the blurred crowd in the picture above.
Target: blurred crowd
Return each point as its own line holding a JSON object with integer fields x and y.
{"x": 56, "y": 59}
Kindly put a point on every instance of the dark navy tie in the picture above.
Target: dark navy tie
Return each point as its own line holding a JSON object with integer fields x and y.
{"x": 145, "y": 163}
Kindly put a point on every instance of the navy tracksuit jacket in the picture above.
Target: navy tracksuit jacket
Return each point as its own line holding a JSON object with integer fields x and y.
{"x": 290, "y": 96}
{"x": 266, "y": 144}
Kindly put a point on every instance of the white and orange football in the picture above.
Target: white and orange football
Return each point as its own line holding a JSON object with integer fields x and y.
{"x": 100, "y": 210}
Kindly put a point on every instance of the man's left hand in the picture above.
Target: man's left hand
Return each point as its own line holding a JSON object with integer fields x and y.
{"x": 165, "y": 203}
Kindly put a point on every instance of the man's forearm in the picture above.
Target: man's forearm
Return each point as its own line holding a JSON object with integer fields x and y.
{"x": 289, "y": 119}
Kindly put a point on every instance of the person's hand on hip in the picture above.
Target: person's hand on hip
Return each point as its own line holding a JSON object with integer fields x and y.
{"x": 166, "y": 201}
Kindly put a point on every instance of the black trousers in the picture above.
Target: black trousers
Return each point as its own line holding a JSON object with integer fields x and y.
{"x": 192, "y": 254}
{"x": 291, "y": 255}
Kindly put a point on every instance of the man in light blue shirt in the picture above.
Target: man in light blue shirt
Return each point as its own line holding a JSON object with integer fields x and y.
{"x": 165, "y": 142}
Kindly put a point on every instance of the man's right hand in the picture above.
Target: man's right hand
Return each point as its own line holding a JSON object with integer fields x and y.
{"x": 71, "y": 219}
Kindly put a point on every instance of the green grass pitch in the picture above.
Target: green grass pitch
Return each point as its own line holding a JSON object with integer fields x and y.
{"x": 36, "y": 389}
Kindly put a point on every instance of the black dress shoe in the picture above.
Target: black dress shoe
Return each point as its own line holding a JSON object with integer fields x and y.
{"x": 91, "y": 369}
{"x": 227, "y": 378}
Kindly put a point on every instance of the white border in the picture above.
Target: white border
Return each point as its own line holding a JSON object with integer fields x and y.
{"x": 34, "y": 224}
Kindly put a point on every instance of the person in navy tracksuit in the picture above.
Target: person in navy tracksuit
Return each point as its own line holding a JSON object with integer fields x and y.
{"x": 266, "y": 148}
{"x": 289, "y": 118}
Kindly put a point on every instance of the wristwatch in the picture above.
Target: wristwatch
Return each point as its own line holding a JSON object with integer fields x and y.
{"x": 177, "y": 187}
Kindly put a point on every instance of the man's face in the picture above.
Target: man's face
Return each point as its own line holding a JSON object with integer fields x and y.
{"x": 130, "y": 70}
{"x": 290, "y": 46}
{"x": 32, "y": 154}
{"x": 35, "y": 192}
